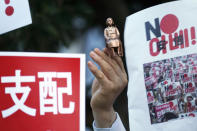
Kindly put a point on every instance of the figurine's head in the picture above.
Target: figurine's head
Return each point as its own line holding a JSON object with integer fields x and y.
{"x": 109, "y": 21}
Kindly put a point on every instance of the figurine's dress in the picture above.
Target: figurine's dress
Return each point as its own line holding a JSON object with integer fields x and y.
{"x": 113, "y": 40}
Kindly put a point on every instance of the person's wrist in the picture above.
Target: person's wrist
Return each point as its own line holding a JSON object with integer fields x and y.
{"x": 104, "y": 118}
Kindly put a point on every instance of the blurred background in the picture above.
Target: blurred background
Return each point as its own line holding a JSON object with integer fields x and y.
{"x": 74, "y": 26}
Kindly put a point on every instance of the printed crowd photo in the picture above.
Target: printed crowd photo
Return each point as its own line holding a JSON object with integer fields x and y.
{"x": 171, "y": 86}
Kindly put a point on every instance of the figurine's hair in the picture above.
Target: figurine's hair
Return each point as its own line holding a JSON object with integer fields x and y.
{"x": 108, "y": 20}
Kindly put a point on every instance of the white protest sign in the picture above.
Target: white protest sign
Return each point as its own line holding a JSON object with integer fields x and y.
{"x": 14, "y": 14}
{"x": 162, "y": 37}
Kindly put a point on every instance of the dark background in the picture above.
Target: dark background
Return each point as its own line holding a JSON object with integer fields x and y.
{"x": 57, "y": 23}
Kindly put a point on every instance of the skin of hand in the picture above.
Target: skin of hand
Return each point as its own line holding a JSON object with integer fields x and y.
{"x": 109, "y": 82}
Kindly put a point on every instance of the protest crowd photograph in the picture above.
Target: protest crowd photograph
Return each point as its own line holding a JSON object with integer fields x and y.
{"x": 171, "y": 88}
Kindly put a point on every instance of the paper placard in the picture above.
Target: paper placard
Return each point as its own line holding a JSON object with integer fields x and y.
{"x": 14, "y": 14}
{"x": 161, "y": 50}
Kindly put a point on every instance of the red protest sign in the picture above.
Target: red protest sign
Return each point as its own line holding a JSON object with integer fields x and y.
{"x": 42, "y": 92}
{"x": 150, "y": 97}
{"x": 161, "y": 109}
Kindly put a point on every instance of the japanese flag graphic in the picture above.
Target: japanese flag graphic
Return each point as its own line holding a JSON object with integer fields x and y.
{"x": 14, "y": 14}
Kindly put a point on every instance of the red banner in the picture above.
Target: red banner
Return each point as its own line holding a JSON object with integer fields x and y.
{"x": 171, "y": 106}
{"x": 42, "y": 92}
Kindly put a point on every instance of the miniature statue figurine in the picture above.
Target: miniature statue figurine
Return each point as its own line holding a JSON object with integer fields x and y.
{"x": 112, "y": 38}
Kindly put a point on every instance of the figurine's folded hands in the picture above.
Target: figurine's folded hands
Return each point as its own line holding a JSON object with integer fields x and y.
{"x": 109, "y": 82}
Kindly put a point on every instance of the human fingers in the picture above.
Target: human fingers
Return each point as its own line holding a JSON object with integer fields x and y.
{"x": 112, "y": 62}
{"x": 118, "y": 59}
{"x": 106, "y": 51}
{"x": 121, "y": 75}
{"x": 97, "y": 73}
{"x": 105, "y": 66}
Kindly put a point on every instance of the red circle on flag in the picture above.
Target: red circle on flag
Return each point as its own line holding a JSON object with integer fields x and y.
{"x": 9, "y": 11}
{"x": 169, "y": 24}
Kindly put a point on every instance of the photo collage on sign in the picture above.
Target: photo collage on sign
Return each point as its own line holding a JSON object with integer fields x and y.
{"x": 171, "y": 86}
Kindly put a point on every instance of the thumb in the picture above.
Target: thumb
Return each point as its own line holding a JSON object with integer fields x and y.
{"x": 95, "y": 86}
